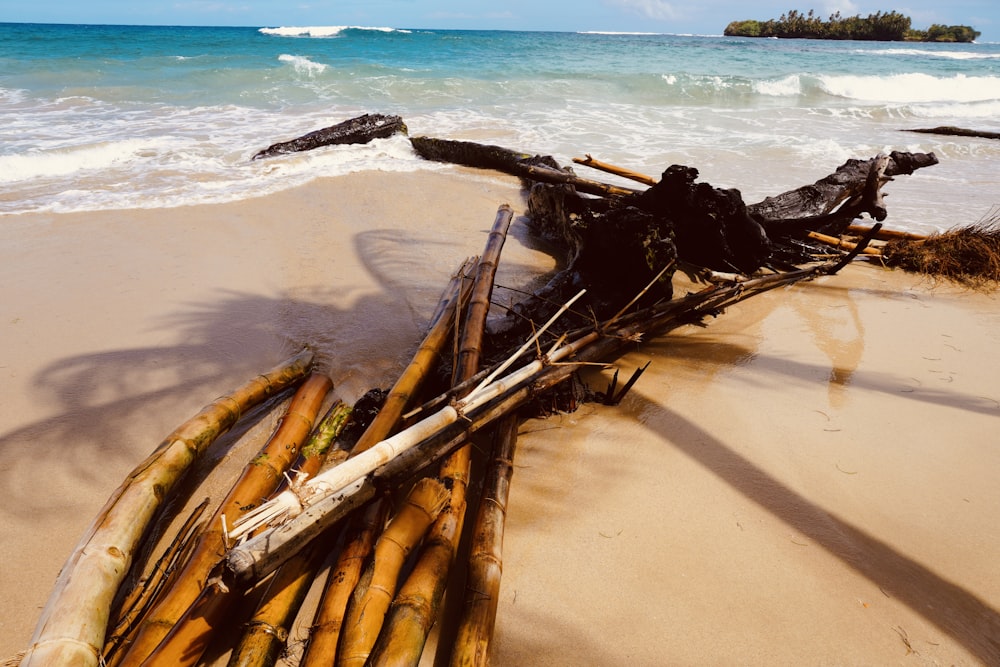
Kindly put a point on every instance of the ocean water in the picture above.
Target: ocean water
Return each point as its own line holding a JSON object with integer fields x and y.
{"x": 112, "y": 117}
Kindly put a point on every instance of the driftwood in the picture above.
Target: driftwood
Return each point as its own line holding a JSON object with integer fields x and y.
{"x": 709, "y": 227}
{"x": 360, "y": 130}
{"x": 543, "y": 169}
{"x": 951, "y": 130}
{"x": 847, "y": 184}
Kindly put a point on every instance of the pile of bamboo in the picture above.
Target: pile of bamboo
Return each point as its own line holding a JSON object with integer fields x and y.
{"x": 382, "y": 514}
{"x": 367, "y": 614}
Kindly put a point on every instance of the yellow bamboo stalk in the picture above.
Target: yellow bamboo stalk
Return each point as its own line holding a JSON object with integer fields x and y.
{"x": 482, "y": 588}
{"x": 267, "y": 632}
{"x": 409, "y": 382}
{"x": 886, "y": 234}
{"x": 618, "y": 171}
{"x": 136, "y": 604}
{"x": 259, "y": 479}
{"x": 73, "y": 624}
{"x": 329, "y": 619}
{"x": 370, "y": 602}
{"x": 840, "y": 243}
{"x": 416, "y": 607}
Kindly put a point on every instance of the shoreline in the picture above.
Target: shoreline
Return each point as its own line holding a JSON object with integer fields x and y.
{"x": 814, "y": 464}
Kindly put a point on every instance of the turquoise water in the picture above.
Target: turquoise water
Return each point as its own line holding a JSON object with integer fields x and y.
{"x": 97, "y": 117}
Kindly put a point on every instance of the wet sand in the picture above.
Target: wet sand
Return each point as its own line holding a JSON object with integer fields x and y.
{"x": 811, "y": 479}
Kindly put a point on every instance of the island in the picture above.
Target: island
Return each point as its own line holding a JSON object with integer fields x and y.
{"x": 880, "y": 26}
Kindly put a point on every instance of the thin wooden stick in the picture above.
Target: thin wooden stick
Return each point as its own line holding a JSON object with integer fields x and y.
{"x": 72, "y": 627}
{"x": 618, "y": 171}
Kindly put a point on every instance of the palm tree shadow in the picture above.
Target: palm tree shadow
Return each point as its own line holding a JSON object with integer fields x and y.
{"x": 111, "y": 408}
{"x": 954, "y": 610}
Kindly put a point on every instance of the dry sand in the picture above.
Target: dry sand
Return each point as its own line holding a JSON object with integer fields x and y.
{"x": 811, "y": 479}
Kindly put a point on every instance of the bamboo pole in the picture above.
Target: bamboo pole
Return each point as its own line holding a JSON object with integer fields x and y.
{"x": 259, "y": 479}
{"x": 377, "y": 587}
{"x": 886, "y": 234}
{"x": 482, "y": 587}
{"x": 73, "y": 623}
{"x": 329, "y": 621}
{"x": 618, "y": 171}
{"x": 409, "y": 382}
{"x": 139, "y": 599}
{"x": 267, "y": 632}
{"x": 419, "y": 600}
{"x": 842, "y": 244}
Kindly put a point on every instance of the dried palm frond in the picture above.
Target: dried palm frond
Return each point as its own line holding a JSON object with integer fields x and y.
{"x": 966, "y": 255}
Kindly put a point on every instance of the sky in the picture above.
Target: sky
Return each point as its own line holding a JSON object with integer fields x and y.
{"x": 661, "y": 16}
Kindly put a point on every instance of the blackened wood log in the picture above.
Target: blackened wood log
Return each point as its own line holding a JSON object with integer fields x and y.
{"x": 867, "y": 200}
{"x": 828, "y": 193}
{"x": 360, "y": 130}
{"x": 542, "y": 169}
{"x": 953, "y": 131}
{"x": 711, "y": 225}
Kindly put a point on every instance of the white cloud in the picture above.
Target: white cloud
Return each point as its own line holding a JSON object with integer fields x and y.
{"x": 845, "y": 7}
{"x": 654, "y": 9}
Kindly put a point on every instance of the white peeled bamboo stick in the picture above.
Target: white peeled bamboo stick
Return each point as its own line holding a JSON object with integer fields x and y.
{"x": 291, "y": 502}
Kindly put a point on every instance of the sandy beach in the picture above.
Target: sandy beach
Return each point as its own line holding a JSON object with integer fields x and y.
{"x": 810, "y": 479}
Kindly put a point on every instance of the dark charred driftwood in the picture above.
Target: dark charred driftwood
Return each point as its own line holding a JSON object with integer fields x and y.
{"x": 712, "y": 226}
{"x": 867, "y": 200}
{"x": 707, "y": 227}
{"x": 621, "y": 240}
{"x": 953, "y": 131}
{"x": 849, "y": 182}
{"x": 543, "y": 169}
{"x": 360, "y": 130}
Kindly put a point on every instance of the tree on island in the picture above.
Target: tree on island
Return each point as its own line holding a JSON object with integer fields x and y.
{"x": 884, "y": 27}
